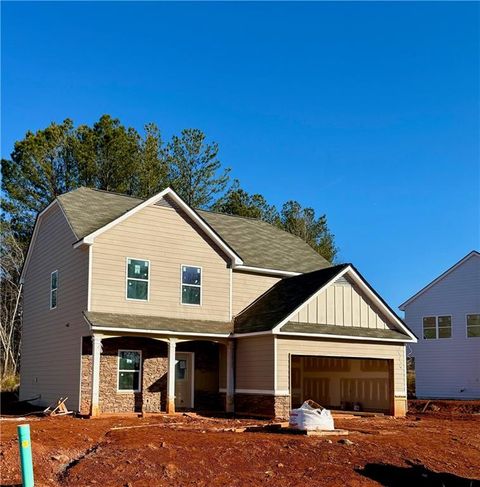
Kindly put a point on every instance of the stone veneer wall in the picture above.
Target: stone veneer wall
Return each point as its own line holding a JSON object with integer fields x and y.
{"x": 263, "y": 405}
{"x": 152, "y": 397}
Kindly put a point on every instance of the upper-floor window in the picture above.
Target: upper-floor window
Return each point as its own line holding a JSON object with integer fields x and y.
{"x": 138, "y": 279}
{"x": 191, "y": 285}
{"x": 473, "y": 325}
{"x": 129, "y": 370}
{"x": 437, "y": 327}
{"x": 53, "y": 289}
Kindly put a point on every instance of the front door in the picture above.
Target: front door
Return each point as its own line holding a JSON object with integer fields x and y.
{"x": 184, "y": 380}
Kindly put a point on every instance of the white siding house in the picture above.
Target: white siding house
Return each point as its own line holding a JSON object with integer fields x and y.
{"x": 445, "y": 316}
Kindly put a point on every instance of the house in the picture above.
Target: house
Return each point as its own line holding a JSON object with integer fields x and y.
{"x": 150, "y": 305}
{"x": 446, "y": 315}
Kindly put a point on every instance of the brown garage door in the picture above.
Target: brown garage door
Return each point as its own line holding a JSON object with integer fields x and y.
{"x": 342, "y": 383}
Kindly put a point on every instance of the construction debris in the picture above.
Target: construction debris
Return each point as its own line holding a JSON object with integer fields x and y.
{"x": 58, "y": 408}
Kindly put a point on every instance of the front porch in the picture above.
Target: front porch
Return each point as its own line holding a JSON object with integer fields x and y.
{"x": 137, "y": 373}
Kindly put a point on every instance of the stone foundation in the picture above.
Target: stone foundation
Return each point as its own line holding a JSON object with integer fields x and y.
{"x": 400, "y": 407}
{"x": 263, "y": 405}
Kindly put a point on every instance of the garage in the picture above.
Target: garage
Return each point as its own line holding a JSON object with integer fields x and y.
{"x": 350, "y": 384}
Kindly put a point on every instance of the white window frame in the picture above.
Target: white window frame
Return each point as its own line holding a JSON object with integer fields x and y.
{"x": 466, "y": 324}
{"x": 191, "y": 285}
{"x": 437, "y": 337}
{"x": 129, "y": 391}
{"x": 53, "y": 289}
{"x": 137, "y": 279}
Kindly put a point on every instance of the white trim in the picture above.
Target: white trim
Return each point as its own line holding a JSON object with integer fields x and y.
{"x": 137, "y": 279}
{"x": 34, "y": 237}
{"x": 81, "y": 376}
{"x": 439, "y": 278}
{"x": 263, "y": 270}
{"x": 389, "y": 313}
{"x": 122, "y": 391}
{"x": 53, "y": 289}
{"x": 192, "y": 375}
{"x": 191, "y": 285}
{"x": 156, "y": 332}
{"x": 311, "y": 298}
{"x": 89, "y": 239}
{"x": 275, "y": 362}
{"x": 405, "y": 388}
{"x": 230, "y": 296}
{"x": 344, "y": 337}
{"x": 90, "y": 273}
{"x": 252, "y": 334}
{"x": 466, "y": 324}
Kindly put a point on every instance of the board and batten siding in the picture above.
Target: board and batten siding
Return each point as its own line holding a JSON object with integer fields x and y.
{"x": 247, "y": 287}
{"x": 448, "y": 367}
{"x": 339, "y": 349}
{"x": 254, "y": 364}
{"x": 165, "y": 237}
{"x": 51, "y": 338}
{"x": 341, "y": 304}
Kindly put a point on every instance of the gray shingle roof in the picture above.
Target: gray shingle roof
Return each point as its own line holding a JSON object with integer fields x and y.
{"x": 345, "y": 331}
{"x": 283, "y": 299}
{"x": 258, "y": 243}
{"x": 157, "y": 323}
{"x": 88, "y": 210}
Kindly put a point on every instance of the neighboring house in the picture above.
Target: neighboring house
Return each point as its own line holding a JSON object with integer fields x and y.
{"x": 150, "y": 305}
{"x": 446, "y": 314}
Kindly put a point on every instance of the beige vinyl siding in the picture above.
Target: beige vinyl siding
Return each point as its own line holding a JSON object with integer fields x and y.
{"x": 247, "y": 287}
{"x": 341, "y": 304}
{"x": 254, "y": 363}
{"x": 51, "y": 339}
{"x": 340, "y": 349}
{"x": 166, "y": 238}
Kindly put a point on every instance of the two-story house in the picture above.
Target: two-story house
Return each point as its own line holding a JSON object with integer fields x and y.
{"x": 150, "y": 305}
{"x": 446, "y": 315}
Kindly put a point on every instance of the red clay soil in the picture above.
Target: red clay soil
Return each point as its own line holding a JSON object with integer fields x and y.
{"x": 424, "y": 449}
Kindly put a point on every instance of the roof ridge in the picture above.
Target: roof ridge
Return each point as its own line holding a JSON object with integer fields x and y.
{"x": 234, "y": 216}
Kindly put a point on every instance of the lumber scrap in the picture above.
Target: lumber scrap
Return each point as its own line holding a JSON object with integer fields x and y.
{"x": 57, "y": 409}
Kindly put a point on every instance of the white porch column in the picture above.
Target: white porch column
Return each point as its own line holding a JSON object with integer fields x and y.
{"x": 96, "y": 352}
{"x": 229, "y": 402}
{"x": 172, "y": 345}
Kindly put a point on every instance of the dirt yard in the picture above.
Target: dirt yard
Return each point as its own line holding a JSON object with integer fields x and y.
{"x": 435, "y": 448}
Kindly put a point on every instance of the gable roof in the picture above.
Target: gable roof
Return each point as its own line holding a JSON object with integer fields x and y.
{"x": 471, "y": 254}
{"x": 283, "y": 299}
{"x": 272, "y": 311}
{"x": 258, "y": 244}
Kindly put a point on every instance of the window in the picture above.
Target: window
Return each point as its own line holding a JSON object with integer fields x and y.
{"x": 53, "y": 289}
{"x": 138, "y": 274}
{"x": 129, "y": 370}
{"x": 191, "y": 285}
{"x": 473, "y": 325}
{"x": 437, "y": 327}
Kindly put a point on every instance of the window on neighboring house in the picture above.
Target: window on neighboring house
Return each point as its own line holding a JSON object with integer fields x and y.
{"x": 191, "y": 285}
{"x": 473, "y": 325}
{"x": 437, "y": 327}
{"x": 138, "y": 275}
{"x": 129, "y": 370}
{"x": 429, "y": 327}
{"x": 53, "y": 289}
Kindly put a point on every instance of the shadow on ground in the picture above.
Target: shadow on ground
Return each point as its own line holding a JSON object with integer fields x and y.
{"x": 414, "y": 474}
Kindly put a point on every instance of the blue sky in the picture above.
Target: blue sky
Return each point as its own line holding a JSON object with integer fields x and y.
{"x": 368, "y": 112}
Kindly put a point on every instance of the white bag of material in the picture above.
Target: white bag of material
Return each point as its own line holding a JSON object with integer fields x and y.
{"x": 310, "y": 418}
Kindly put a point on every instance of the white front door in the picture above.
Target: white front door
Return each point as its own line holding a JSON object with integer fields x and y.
{"x": 184, "y": 380}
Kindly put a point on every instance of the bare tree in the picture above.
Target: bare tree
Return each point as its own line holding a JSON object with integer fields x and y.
{"x": 11, "y": 262}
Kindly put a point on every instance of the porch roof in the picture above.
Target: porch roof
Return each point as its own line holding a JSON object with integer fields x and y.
{"x": 344, "y": 331}
{"x": 156, "y": 324}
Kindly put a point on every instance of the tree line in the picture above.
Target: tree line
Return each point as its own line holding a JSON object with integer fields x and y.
{"x": 110, "y": 156}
